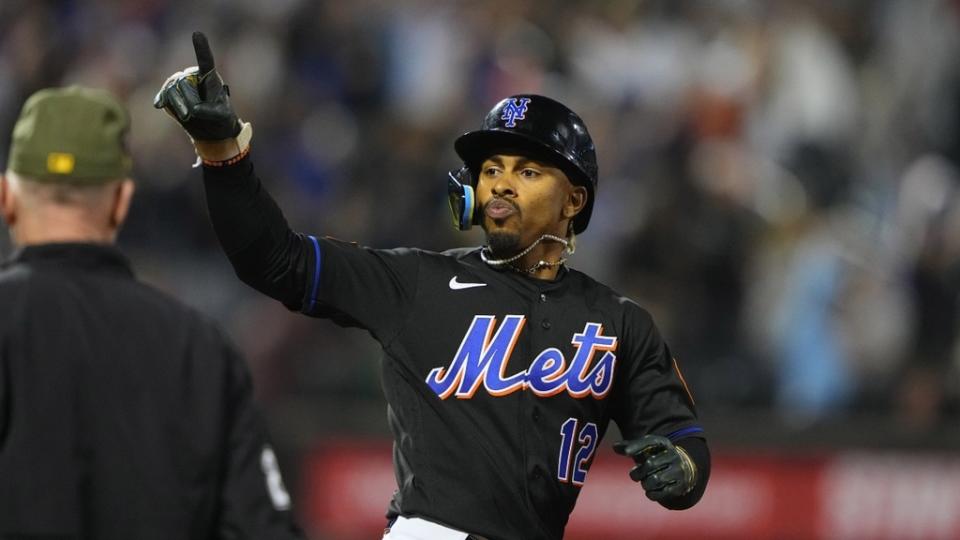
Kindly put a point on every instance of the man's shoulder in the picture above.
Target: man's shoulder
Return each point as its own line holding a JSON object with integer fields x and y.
{"x": 161, "y": 305}
{"x": 606, "y": 296}
{"x": 454, "y": 256}
{"x": 150, "y": 293}
{"x": 459, "y": 253}
{"x": 168, "y": 315}
{"x": 448, "y": 254}
{"x": 13, "y": 275}
{"x": 14, "y": 280}
{"x": 47, "y": 285}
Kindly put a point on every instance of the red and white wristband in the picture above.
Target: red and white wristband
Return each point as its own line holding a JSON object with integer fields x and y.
{"x": 242, "y": 142}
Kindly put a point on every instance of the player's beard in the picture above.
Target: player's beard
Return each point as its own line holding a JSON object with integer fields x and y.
{"x": 504, "y": 243}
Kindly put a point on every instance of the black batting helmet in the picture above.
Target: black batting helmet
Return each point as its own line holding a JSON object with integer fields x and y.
{"x": 541, "y": 128}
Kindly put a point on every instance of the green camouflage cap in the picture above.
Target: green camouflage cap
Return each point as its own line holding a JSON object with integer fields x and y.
{"x": 71, "y": 134}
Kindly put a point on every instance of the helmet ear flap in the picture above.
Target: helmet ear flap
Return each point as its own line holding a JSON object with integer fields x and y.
{"x": 462, "y": 198}
{"x": 468, "y": 218}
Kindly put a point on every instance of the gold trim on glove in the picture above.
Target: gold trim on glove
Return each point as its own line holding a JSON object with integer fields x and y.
{"x": 689, "y": 469}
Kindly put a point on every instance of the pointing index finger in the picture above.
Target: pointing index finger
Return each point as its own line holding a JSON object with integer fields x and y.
{"x": 204, "y": 56}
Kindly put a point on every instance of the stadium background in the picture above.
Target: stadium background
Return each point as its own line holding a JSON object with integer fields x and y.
{"x": 779, "y": 186}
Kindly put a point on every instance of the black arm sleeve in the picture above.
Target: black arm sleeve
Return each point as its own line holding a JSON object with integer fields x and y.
{"x": 320, "y": 277}
{"x": 264, "y": 252}
{"x": 700, "y": 454}
{"x": 651, "y": 395}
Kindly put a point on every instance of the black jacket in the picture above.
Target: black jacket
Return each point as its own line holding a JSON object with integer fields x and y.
{"x": 124, "y": 414}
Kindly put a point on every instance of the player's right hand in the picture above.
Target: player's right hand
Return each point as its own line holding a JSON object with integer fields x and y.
{"x": 662, "y": 468}
{"x": 197, "y": 98}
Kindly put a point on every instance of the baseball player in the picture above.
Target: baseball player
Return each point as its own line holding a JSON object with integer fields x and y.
{"x": 502, "y": 366}
{"x": 124, "y": 415}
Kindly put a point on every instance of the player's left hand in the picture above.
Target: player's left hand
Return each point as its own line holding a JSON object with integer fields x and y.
{"x": 662, "y": 468}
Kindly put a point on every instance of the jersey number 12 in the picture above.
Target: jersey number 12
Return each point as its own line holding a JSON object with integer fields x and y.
{"x": 586, "y": 440}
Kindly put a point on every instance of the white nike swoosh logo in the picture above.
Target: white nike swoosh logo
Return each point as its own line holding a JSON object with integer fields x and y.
{"x": 456, "y": 285}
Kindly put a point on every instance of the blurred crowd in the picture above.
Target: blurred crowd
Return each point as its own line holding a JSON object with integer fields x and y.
{"x": 779, "y": 180}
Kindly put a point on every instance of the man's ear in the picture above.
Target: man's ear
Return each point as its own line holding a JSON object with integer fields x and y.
{"x": 122, "y": 197}
{"x": 8, "y": 206}
{"x": 576, "y": 200}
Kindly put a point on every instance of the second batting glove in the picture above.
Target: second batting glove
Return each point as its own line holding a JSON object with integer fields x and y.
{"x": 662, "y": 468}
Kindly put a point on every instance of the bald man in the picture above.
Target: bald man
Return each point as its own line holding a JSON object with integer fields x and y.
{"x": 123, "y": 414}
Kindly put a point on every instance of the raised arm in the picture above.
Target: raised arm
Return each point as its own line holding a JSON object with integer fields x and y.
{"x": 352, "y": 285}
{"x": 265, "y": 253}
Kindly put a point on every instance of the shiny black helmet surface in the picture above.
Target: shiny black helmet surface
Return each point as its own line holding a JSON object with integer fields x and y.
{"x": 540, "y": 128}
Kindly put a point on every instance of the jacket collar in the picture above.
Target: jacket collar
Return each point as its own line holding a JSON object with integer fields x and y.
{"x": 73, "y": 255}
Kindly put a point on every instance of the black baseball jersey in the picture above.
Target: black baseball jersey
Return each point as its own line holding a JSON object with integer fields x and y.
{"x": 124, "y": 415}
{"x": 500, "y": 387}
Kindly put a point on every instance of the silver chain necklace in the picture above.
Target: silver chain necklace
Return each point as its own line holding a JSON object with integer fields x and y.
{"x": 540, "y": 264}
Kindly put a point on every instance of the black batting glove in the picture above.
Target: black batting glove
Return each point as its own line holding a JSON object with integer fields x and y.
{"x": 197, "y": 98}
{"x": 664, "y": 470}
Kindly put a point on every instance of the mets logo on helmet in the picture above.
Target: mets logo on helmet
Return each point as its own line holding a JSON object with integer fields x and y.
{"x": 514, "y": 110}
